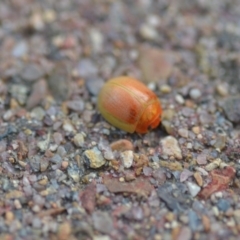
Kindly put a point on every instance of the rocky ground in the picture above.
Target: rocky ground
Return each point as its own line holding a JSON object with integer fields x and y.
{"x": 65, "y": 173}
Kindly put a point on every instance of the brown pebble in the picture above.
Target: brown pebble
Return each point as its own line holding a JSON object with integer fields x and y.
{"x": 65, "y": 164}
{"x": 43, "y": 181}
{"x": 121, "y": 145}
{"x": 198, "y": 178}
{"x": 170, "y": 217}
{"x": 206, "y": 222}
{"x": 9, "y": 216}
{"x": 196, "y": 129}
{"x": 64, "y": 231}
{"x": 175, "y": 232}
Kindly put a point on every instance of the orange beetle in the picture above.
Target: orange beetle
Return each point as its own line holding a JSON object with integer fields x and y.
{"x": 129, "y": 105}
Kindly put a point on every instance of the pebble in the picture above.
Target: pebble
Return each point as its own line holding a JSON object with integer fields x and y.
{"x": 93, "y": 158}
{"x": 222, "y": 89}
{"x": 185, "y": 174}
{"x": 193, "y": 188}
{"x": 76, "y": 105}
{"x": 122, "y": 145}
{"x": 202, "y": 159}
{"x": 59, "y": 81}
{"x": 184, "y": 234}
{"x": 102, "y": 222}
{"x": 64, "y": 231}
{"x": 198, "y": 178}
{"x": 58, "y": 138}
{"x": 103, "y": 237}
{"x": 38, "y": 93}
{"x": 38, "y": 113}
{"x": 170, "y": 147}
{"x": 183, "y": 132}
{"x": 78, "y": 139}
{"x": 165, "y": 88}
{"x": 195, "y": 93}
{"x": 19, "y": 92}
{"x": 231, "y": 107}
{"x": 127, "y": 158}
{"x": 43, "y": 145}
{"x": 94, "y": 84}
{"x": 223, "y": 204}
{"x": 20, "y": 49}
{"x": 31, "y": 72}
{"x": 68, "y": 127}
{"x": 179, "y": 99}
{"x": 148, "y": 32}
{"x": 156, "y": 64}
{"x": 73, "y": 173}
{"x": 194, "y": 221}
{"x": 86, "y": 68}
{"x": 97, "y": 39}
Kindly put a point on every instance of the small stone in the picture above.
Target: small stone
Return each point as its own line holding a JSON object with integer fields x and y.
{"x": 97, "y": 39}
{"x": 79, "y": 140}
{"x": 44, "y": 165}
{"x": 231, "y": 107}
{"x": 195, "y": 93}
{"x": 147, "y": 171}
{"x": 64, "y": 231}
{"x": 36, "y": 21}
{"x": 73, "y": 174}
{"x": 65, "y": 164}
{"x": 38, "y": 113}
{"x": 196, "y": 130}
{"x": 68, "y": 127}
{"x": 88, "y": 197}
{"x": 121, "y": 145}
{"x": 93, "y": 158}
{"x": 38, "y": 93}
{"x": 202, "y": 159}
{"x": 220, "y": 181}
{"x": 179, "y": 99}
{"x": 198, "y": 178}
{"x": 165, "y": 89}
{"x": 156, "y": 64}
{"x": 140, "y": 186}
{"x": 148, "y": 32}
{"x": 174, "y": 166}
{"x": 20, "y": 49}
{"x": 222, "y": 89}
{"x": 194, "y": 220}
{"x": 8, "y": 115}
{"x": 103, "y": 237}
{"x": 19, "y": 92}
{"x": 94, "y": 84}
{"x": 102, "y": 222}
{"x": 170, "y": 147}
{"x": 9, "y": 216}
{"x": 127, "y": 158}
{"x": 76, "y": 105}
{"x": 185, "y": 174}
{"x": 223, "y": 204}
{"x": 206, "y": 223}
{"x": 43, "y": 145}
{"x": 184, "y": 234}
{"x": 58, "y": 138}
{"x": 183, "y": 132}
{"x": 193, "y": 188}
{"x": 59, "y": 81}
{"x": 86, "y": 68}
{"x": 31, "y": 72}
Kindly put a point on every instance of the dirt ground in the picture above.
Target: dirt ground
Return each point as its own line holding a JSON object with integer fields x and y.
{"x": 66, "y": 173}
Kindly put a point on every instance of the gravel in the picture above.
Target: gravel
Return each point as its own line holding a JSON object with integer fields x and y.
{"x": 65, "y": 173}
